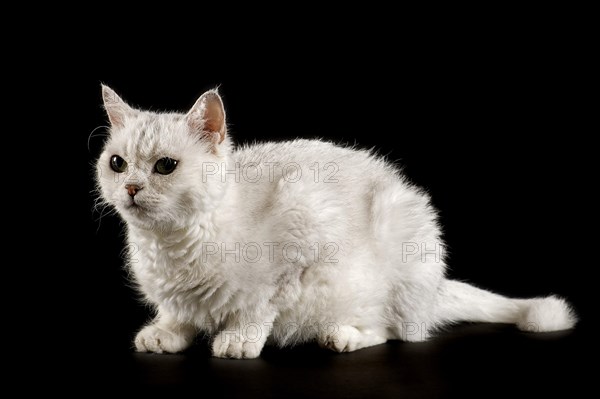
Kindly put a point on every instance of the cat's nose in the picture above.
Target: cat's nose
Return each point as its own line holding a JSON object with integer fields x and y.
{"x": 132, "y": 189}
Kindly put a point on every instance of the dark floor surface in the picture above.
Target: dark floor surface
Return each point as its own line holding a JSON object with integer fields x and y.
{"x": 479, "y": 360}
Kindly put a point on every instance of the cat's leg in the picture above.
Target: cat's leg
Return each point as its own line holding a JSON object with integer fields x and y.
{"x": 165, "y": 334}
{"x": 346, "y": 338}
{"x": 243, "y": 339}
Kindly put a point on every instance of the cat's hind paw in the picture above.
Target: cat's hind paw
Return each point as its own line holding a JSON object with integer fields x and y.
{"x": 154, "y": 339}
{"x": 349, "y": 339}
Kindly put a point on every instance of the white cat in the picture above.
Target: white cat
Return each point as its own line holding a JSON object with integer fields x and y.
{"x": 286, "y": 242}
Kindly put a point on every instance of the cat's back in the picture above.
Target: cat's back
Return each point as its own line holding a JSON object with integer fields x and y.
{"x": 318, "y": 182}
{"x": 314, "y": 160}
{"x": 298, "y": 150}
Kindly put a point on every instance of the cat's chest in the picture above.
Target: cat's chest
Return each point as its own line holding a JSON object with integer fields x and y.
{"x": 176, "y": 278}
{"x": 169, "y": 270}
{"x": 167, "y": 256}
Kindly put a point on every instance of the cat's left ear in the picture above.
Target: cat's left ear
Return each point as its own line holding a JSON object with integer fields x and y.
{"x": 207, "y": 117}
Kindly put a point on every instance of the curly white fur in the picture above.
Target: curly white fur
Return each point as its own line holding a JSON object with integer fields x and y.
{"x": 288, "y": 242}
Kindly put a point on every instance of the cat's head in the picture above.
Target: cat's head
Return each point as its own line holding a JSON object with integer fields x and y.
{"x": 151, "y": 168}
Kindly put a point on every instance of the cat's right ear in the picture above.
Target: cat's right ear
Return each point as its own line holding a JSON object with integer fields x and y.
{"x": 116, "y": 109}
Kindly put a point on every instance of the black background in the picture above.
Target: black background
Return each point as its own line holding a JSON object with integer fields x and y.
{"x": 488, "y": 125}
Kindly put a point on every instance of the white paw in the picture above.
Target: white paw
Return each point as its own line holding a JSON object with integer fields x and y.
{"x": 349, "y": 339}
{"x": 343, "y": 339}
{"x": 155, "y": 339}
{"x": 234, "y": 346}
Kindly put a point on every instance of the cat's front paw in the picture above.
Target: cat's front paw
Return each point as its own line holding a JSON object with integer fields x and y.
{"x": 235, "y": 346}
{"x": 154, "y": 339}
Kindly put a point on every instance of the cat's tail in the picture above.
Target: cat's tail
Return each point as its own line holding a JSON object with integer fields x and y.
{"x": 463, "y": 302}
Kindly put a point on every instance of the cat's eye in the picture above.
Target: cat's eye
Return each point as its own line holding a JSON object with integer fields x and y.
{"x": 165, "y": 166}
{"x": 118, "y": 164}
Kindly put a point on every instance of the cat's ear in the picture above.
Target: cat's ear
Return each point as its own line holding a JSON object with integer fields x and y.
{"x": 207, "y": 117}
{"x": 116, "y": 109}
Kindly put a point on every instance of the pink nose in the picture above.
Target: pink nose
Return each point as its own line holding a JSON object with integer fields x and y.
{"x": 132, "y": 189}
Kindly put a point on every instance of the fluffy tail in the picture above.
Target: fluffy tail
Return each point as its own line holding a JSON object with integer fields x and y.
{"x": 464, "y": 302}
